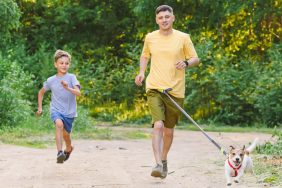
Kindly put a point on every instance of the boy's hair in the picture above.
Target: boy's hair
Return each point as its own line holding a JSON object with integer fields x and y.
{"x": 163, "y": 8}
{"x": 60, "y": 53}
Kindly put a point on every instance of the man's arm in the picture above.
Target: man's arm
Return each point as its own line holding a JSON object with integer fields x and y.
{"x": 192, "y": 62}
{"x": 40, "y": 99}
{"x": 143, "y": 65}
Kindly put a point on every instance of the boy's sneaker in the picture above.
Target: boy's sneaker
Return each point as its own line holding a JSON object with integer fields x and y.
{"x": 165, "y": 170}
{"x": 67, "y": 153}
{"x": 60, "y": 157}
{"x": 157, "y": 171}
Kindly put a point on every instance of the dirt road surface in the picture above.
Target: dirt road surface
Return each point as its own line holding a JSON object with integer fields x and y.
{"x": 193, "y": 162}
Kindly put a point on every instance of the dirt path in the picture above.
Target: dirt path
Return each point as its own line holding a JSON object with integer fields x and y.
{"x": 193, "y": 163}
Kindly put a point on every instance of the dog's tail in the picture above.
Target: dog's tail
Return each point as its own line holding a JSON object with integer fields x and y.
{"x": 252, "y": 146}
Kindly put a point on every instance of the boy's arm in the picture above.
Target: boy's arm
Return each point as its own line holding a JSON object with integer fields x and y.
{"x": 40, "y": 99}
{"x": 75, "y": 90}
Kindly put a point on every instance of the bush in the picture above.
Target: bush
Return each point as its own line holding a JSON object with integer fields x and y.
{"x": 13, "y": 99}
{"x": 267, "y": 96}
{"x": 272, "y": 148}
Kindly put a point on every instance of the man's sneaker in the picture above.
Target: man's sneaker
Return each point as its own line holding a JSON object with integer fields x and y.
{"x": 157, "y": 171}
{"x": 60, "y": 157}
{"x": 165, "y": 170}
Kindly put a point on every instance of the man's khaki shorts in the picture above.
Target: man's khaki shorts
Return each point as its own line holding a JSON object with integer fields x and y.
{"x": 162, "y": 108}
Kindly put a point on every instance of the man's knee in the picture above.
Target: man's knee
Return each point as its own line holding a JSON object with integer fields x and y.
{"x": 158, "y": 125}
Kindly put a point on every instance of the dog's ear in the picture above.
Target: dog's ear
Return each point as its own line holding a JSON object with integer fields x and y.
{"x": 232, "y": 147}
{"x": 243, "y": 148}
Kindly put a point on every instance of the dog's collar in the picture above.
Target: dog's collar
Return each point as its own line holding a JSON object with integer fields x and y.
{"x": 235, "y": 169}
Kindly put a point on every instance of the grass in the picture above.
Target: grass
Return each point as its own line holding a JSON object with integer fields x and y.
{"x": 268, "y": 169}
{"x": 39, "y": 132}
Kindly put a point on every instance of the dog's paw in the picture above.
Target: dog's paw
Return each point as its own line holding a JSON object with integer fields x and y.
{"x": 229, "y": 184}
{"x": 236, "y": 181}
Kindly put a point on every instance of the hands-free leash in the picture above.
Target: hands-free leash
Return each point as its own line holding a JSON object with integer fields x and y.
{"x": 165, "y": 91}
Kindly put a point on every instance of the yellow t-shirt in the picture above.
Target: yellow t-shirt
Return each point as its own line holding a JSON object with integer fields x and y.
{"x": 165, "y": 52}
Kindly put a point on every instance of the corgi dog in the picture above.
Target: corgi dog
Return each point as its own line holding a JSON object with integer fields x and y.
{"x": 238, "y": 162}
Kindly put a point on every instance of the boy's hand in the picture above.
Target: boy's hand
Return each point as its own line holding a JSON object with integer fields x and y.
{"x": 65, "y": 84}
{"x": 38, "y": 113}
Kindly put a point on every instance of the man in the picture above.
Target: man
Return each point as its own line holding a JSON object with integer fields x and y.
{"x": 171, "y": 52}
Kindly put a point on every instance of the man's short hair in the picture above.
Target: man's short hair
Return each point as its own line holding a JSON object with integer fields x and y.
{"x": 60, "y": 53}
{"x": 163, "y": 8}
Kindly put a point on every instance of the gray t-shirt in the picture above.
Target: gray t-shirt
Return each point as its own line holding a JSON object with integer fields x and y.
{"x": 62, "y": 100}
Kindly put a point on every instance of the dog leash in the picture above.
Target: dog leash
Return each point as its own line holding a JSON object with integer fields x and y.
{"x": 165, "y": 91}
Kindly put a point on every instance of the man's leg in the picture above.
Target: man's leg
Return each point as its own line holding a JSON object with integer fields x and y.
{"x": 157, "y": 140}
{"x": 168, "y": 138}
{"x": 157, "y": 143}
{"x": 167, "y": 141}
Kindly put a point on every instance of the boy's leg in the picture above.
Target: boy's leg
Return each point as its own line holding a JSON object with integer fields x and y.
{"x": 59, "y": 134}
{"x": 67, "y": 139}
{"x": 59, "y": 140}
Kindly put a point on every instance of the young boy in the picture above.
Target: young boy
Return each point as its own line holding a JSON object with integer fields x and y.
{"x": 64, "y": 88}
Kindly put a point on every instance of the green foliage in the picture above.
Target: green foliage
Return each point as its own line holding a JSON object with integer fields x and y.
{"x": 10, "y": 15}
{"x": 121, "y": 112}
{"x": 81, "y": 24}
{"x": 272, "y": 148}
{"x": 268, "y": 91}
{"x": 13, "y": 99}
{"x": 238, "y": 81}
{"x": 83, "y": 120}
{"x": 235, "y": 84}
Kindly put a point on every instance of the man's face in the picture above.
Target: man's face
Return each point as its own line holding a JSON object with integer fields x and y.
{"x": 165, "y": 20}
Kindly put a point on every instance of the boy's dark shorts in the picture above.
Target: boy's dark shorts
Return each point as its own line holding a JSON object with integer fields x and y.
{"x": 66, "y": 120}
{"x": 163, "y": 109}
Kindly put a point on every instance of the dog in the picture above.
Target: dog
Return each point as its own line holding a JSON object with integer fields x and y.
{"x": 238, "y": 161}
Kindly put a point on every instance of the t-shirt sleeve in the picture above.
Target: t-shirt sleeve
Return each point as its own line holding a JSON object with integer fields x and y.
{"x": 189, "y": 49}
{"x": 75, "y": 82}
{"x": 146, "y": 49}
{"x": 46, "y": 85}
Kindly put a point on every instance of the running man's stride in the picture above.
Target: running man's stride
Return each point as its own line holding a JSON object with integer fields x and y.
{"x": 171, "y": 52}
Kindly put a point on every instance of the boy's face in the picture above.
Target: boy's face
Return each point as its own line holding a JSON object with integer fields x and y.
{"x": 62, "y": 65}
{"x": 165, "y": 20}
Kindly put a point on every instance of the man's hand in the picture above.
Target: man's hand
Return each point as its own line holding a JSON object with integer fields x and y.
{"x": 65, "y": 84}
{"x": 139, "y": 79}
{"x": 181, "y": 65}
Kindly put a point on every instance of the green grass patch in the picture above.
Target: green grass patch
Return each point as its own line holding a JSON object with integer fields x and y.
{"x": 40, "y": 132}
{"x": 34, "y": 132}
{"x": 268, "y": 169}
{"x": 221, "y": 128}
